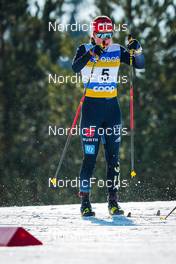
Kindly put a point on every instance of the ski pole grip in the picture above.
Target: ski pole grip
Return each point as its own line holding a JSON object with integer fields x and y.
{"x": 130, "y": 38}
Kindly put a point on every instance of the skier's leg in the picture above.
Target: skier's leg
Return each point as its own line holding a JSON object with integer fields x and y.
{"x": 113, "y": 165}
{"x": 90, "y": 121}
{"x": 112, "y": 144}
{"x": 88, "y": 165}
{"x": 113, "y": 175}
{"x": 90, "y": 150}
{"x": 90, "y": 139}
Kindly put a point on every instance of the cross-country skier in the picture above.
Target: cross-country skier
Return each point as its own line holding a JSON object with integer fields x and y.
{"x": 99, "y": 62}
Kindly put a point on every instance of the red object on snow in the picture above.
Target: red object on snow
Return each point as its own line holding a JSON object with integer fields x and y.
{"x": 17, "y": 237}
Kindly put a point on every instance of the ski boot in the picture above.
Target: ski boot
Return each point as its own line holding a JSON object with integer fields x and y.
{"x": 113, "y": 206}
{"x": 86, "y": 208}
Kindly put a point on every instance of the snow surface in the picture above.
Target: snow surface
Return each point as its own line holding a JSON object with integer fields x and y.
{"x": 68, "y": 238}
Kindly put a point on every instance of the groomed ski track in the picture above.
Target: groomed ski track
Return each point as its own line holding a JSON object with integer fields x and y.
{"x": 69, "y": 239}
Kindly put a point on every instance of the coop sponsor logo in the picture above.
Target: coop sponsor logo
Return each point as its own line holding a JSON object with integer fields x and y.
{"x": 104, "y": 88}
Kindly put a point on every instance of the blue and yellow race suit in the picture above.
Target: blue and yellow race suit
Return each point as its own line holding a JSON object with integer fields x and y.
{"x": 101, "y": 115}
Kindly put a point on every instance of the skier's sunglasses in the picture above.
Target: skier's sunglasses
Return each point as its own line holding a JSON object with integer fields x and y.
{"x": 104, "y": 35}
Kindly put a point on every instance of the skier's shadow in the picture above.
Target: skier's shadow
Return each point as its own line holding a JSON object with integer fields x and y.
{"x": 113, "y": 221}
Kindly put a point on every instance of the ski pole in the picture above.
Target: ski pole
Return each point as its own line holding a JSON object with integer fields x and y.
{"x": 133, "y": 173}
{"x": 165, "y": 217}
{"x": 53, "y": 180}
{"x": 69, "y": 136}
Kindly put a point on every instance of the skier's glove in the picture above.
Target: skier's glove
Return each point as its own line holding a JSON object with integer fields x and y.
{"x": 134, "y": 45}
{"x": 96, "y": 51}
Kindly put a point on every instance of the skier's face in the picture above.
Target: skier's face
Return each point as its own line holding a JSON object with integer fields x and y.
{"x": 103, "y": 39}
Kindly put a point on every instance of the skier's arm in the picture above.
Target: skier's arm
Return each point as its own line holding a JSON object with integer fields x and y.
{"x": 81, "y": 59}
{"x": 138, "y": 59}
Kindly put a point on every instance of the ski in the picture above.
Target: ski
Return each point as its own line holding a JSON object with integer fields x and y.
{"x": 119, "y": 215}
